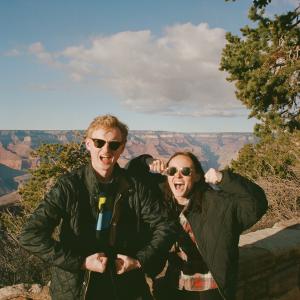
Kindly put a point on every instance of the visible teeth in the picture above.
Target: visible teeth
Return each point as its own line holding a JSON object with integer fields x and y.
{"x": 178, "y": 185}
{"x": 106, "y": 159}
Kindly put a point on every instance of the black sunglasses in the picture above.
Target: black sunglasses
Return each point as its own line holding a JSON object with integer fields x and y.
{"x": 112, "y": 145}
{"x": 185, "y": 171}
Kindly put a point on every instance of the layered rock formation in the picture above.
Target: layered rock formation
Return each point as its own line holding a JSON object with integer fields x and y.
{"x": 213, "y": 149}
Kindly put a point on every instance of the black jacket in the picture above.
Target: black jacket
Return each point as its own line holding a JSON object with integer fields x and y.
{"x": 218, "y": 222}
{"x": 144, "y": 230}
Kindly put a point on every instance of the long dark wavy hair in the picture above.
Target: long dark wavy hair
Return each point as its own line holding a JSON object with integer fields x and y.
{"x": 198, "y": 188}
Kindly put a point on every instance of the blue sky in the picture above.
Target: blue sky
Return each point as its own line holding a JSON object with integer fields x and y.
{"x": 154, "y": 64}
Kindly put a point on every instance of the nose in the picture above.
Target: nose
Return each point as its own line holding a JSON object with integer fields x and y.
{"x": 178, "y": 174}
{"x": 106, "y": 147}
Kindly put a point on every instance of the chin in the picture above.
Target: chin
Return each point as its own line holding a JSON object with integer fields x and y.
{"x": 179, "y": 195}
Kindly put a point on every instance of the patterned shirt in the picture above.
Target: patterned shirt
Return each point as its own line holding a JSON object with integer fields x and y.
{"x": 197, "y": 281}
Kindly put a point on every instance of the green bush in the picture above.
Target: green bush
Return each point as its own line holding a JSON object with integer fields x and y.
{"x": 16, "y": 264}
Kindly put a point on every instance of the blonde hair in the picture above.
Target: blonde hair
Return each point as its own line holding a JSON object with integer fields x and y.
{"x": 106, "y": 122}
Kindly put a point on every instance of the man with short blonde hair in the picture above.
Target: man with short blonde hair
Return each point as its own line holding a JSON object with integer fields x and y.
{"x": 113, "y": 229}
{"x": 107, "y": 121}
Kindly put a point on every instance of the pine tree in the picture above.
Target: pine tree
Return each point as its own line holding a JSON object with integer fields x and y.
{"x": 264, "y": 64}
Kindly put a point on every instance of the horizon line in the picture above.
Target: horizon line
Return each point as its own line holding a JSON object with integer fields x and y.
{"x": 131, "y": 130}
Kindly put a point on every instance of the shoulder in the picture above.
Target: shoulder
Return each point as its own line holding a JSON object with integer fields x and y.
{"x": 72, "y": 179}
{"x": 134, "y": 183}
{"x": 217, "y": 199}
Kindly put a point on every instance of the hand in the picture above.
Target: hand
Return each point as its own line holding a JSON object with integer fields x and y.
{"x": 156, "y": 165}
{"x": 125, "y": 264}
{"x": 96, "y": 262}
{"x": 213, "y": 176}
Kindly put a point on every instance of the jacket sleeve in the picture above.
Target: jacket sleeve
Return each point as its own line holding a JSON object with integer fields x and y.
{"x": 138, "y": 165}
{"x": 37, "y": 234}
{"x": 139, "y": 169}
{"x": 163, "y": 228}
{"x": 250, "y": 199}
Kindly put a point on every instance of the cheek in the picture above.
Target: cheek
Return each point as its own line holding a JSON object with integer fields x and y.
{"x": 117, "y": 155}
{"x": 188, "y": 189}
{"x": 94, "y": 152}
{"x": 189, "y": 185}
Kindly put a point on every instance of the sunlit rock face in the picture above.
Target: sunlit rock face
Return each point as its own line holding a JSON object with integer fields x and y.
{"x": 213, "y": 149}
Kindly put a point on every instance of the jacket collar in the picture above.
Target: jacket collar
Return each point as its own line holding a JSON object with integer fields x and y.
{"x": 94, "y": 186}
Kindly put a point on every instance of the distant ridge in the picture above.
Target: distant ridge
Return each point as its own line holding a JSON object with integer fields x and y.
{"x": 9, "y": 199}
{"x": 214, "y": 149}
{"x": 7, "y": 182}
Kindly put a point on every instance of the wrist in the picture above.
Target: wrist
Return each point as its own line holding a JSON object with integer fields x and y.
{"x": 83, "y": 265}
{"x": 219, "y": 176}
{"x": 138, "y": 264}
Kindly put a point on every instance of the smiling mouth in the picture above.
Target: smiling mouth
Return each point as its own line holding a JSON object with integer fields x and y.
{"x": 106, "y": 159}
{"x": 178, "y": 186}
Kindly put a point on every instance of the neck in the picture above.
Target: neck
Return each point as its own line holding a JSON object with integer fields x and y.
{"x": 102, "y": 179}
{"x": 104, "y": 176}
{"x": 182, "y": 201}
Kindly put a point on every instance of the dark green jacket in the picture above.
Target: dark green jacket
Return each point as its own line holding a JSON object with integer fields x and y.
{"x": 72, "y": 204}
{"x": 224, "y": 215}
{"x": 218, "y": 220}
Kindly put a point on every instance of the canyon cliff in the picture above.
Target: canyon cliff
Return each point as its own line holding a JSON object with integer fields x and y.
{"x": 213, "y": 149}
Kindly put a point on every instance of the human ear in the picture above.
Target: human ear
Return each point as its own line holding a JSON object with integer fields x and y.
{"x": 88, "y": 144}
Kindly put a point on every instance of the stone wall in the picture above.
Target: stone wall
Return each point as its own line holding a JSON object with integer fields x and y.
{"x": 269, "y": 268}
{"x": 270, "y": 264}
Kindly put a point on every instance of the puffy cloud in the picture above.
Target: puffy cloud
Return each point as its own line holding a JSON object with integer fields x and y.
{"x": 12, "y": 53}
{"x": 176, "y": 73}
{"x": 42, "y": 88}
{"x": 39, "y": 51}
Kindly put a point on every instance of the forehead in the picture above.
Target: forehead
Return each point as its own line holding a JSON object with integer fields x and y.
{"x": 181, "y": 161}
{"x": 113, "y": 133}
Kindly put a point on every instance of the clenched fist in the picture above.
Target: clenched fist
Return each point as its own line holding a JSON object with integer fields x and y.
{"x": 156, "y": 165}
{"x": 125, "y": 264}
{"x": 96, "y": 262}
{"x": 213, "y": 176}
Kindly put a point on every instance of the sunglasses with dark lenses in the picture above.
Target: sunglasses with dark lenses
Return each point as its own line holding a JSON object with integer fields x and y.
{"x": 185, "y": 171}
{"x": 112, "y": 145}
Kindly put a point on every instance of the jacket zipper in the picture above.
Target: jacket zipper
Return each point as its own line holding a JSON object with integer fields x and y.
{"x": 85, "y": 284}
{"x": 87, "y": 275}
{"x": 114, "y": 209}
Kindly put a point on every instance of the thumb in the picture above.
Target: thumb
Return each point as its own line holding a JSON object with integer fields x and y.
{"x": 121, "y": 256}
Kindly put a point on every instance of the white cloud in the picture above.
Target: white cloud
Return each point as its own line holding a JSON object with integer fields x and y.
{"x": 176, "y": 73}
{"x": 39, "y": 51}
{"x": 12, "y": 52}
{"x": 210, "y": 112}
{"x": 42, "y": 88}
